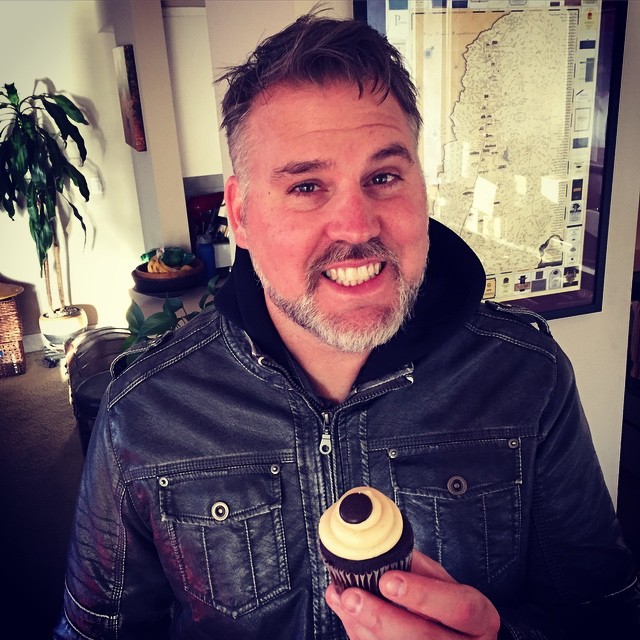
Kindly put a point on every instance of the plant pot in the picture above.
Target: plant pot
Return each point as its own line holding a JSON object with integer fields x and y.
{"x": 62, "y": 324}
{"x": 170, "y": 283}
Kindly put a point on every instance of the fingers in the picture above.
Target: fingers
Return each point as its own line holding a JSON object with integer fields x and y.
{"x": 455, "y": 606}
{"x": 433, "y": 606}
{"x": 367, "y": 617}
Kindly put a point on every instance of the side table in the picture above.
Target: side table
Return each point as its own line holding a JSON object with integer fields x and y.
{"x": 12, "y": 358}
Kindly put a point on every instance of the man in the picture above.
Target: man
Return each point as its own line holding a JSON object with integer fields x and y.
{"x": 339, "y": 356}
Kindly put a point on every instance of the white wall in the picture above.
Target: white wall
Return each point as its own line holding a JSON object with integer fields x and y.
{"x": 194, "y": 98}
{"x": 61, "y": 41}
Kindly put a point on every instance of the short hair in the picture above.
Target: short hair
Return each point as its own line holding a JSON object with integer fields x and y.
{"x": 317, "y": 50}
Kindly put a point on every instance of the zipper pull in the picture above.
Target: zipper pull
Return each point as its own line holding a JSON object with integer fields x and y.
{"x": 325, "y": 444}
{"x": 325, "y": 440}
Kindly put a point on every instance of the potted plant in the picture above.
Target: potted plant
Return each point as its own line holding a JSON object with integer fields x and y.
{"x": 36, "y": 175}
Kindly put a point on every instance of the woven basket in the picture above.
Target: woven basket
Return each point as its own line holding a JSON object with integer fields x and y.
{"x": 12, "y": 362}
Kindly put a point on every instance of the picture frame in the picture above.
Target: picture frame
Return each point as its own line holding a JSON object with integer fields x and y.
{"x": 129, "y": 95}
{"x": 520, "y": 101}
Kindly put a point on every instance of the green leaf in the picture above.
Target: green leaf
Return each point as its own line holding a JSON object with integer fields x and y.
{"x": 129, "y": 341}
{"x": 56, "y": 157}
{"x": 203, "y": 301}
{"x": 67, "y": 129}
{"x": 172, "y": 305}
{"x": 19, "y": 156}
{"x": 77, "y": 178}
{"x": 134, "y": 317}
{"x": 12, "y": 94}
{"x": 78, "y": 217}
{"x": 69, "y": 108}
{"x": 48, "y": 198}
{"x": 38, "y": 170}
{"x": 156, "y": 324}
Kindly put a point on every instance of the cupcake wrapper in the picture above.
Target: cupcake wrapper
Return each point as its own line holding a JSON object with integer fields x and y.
{"x": 342, "y": 579}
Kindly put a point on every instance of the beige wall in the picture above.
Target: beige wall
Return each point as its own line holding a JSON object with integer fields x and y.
{"x": 75, "y": 41}
{"x": 62, "y": 42}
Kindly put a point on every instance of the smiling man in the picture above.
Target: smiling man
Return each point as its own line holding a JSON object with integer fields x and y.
{"x": 334, "y": 216}
{"x": 349, "y": 347}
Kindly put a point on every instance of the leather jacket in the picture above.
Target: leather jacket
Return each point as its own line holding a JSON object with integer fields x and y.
{"x": 212, "y": 461}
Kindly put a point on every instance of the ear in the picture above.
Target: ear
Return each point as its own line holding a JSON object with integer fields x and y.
{"x": 233, "y": 200}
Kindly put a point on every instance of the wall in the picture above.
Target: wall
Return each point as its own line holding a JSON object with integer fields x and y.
{"x": 194, "y": 98}
{"x": 158, "y": 171}
{"x": 62, "y": 42}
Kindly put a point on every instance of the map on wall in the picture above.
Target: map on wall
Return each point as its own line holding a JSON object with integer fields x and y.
{"x": 508, "y": 97}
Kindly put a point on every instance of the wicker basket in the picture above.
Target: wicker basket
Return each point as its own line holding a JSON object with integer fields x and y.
{"x": 12, "y": 361}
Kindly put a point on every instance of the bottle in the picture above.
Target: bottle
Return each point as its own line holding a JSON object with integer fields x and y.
{"x": 204, "y": 251}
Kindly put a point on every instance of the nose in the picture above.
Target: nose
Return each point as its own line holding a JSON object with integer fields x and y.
{"x": 354, "y": 218}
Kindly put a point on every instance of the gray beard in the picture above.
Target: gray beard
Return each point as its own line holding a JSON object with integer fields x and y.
{"x": 344, "y": 333}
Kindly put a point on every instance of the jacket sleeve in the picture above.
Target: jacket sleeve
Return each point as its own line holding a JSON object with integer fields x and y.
{"x": 579, "y": 578}
{"x": 115, "y": 586}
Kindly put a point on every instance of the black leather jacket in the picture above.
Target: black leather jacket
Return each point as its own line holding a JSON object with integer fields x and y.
{"x": 205, "y": 478}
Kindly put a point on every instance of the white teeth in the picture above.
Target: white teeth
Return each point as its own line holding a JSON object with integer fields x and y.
{"x": 351, "y": 276}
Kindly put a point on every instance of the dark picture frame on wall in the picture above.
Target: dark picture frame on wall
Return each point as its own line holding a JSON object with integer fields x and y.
{"x": 520, "y": 105}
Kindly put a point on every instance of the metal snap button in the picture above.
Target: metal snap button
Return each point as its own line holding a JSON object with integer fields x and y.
{"x": 163, "y": 482}
{"x": 457, "y": 485}
{"x": 220, "y": 511}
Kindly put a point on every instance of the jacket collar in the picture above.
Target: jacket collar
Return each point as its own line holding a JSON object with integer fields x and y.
{"x": 452, "y": 289}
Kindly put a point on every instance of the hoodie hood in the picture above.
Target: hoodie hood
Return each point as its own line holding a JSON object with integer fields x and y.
{"x": 451, "y": 291}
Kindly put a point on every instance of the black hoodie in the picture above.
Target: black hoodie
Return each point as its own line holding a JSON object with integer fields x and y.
{"x": 450, "y": 294}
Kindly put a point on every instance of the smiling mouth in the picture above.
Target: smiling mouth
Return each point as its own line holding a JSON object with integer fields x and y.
{"x": 352, "y": 276}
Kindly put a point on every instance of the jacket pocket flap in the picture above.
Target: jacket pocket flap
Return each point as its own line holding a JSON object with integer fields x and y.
{"x": 219, "y": 498}
{"x": 456, "y": 469}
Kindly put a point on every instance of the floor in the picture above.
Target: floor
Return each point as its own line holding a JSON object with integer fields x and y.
{"x": 40, "y": 464}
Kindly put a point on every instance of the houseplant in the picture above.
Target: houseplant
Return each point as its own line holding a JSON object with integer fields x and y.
{"x": 172, "y": 316}
{"x": 36, "y": 175}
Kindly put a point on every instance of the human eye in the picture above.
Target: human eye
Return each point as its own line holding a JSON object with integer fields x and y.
{"x": 304, "y": 188}
{"x": 385, "y": 179}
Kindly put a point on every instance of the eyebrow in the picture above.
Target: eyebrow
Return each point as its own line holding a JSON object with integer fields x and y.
{"x": 305, "y": 166}
{"x": 392, "y": 151}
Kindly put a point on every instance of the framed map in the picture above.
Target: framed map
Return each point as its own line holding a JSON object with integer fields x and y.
{"x": 519, "y": 100}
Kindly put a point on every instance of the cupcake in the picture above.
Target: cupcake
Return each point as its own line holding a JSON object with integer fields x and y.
{"x": 363, "y": 535}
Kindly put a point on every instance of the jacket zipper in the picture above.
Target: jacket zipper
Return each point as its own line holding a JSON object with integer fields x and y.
{"x": 325, "y": 440}
{"x": 326, "y": 448}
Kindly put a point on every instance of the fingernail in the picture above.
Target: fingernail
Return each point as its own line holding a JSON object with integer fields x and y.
{"x": 352, "y": 602}
{"x": 393, "y": 586}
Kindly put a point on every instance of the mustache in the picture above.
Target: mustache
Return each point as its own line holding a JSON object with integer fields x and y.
{"x": 340, "y": 251}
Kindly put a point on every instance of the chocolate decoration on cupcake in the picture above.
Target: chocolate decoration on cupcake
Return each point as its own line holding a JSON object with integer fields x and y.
{"x": 355, "y": 508}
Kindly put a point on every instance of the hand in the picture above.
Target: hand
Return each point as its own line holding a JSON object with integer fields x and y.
{"x": 433, "y": 607}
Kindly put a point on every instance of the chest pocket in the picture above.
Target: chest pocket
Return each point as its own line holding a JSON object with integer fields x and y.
{"x": 227, "y": 535}
{"x": 464, "y": 501}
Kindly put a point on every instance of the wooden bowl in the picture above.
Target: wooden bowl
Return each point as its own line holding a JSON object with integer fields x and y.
{"x": 167, "y": 283}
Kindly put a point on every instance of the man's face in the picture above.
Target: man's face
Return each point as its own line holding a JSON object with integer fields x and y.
{"x": 333, "y": 211}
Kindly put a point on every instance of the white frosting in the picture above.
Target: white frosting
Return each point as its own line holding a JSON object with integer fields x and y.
{"x": 364, "y": 540}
